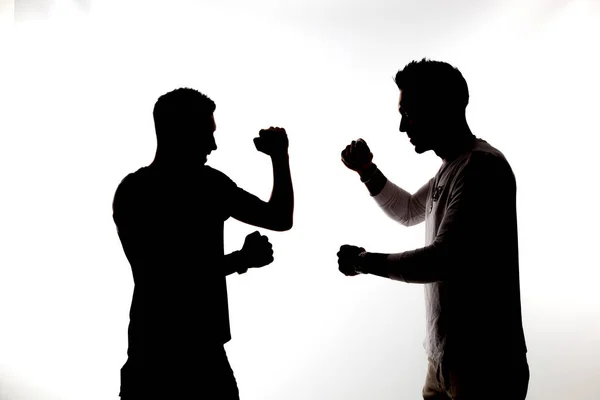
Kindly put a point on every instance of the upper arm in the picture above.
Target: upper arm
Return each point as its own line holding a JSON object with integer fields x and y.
{"x": 244, "y": 206}
{"x": 122, "y": 202}
{"x": 417, "y": 204}
{"x": 128, "y": 217}
{"x": 480, "y": 206}
{"x": 419, "y": 200}
{"x": 398, "y": 204}
{"x": 248, "y": 208}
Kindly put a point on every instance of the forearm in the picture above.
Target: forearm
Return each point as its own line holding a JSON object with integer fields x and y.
{"x": 424, "y": 265}
{"x": 375, "y": 264}
{"x": 282, "y": 196}
{"x": 394, "y": 201}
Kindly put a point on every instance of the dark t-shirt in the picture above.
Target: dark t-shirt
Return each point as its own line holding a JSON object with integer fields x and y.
{"x": 171, "y": 227}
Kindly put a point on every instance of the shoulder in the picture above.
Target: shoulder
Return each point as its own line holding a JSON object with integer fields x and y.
{"x": 131, "y": 185}
{"x": 134, "y": 179}
{"x": 488, "y": 165}
{"x": 484, "y": 160}
{"x": 486, "y": 154}
{"x": 216, "y": 177}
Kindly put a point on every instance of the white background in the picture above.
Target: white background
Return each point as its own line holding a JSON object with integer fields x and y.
{"x": 78, "y": 81}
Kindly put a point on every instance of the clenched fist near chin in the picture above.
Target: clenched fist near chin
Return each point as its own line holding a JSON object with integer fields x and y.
{"x": 273, "y": 142}
{"x": 357, "y": 156}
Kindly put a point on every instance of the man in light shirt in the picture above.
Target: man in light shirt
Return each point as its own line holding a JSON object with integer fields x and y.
{"x": 469, "y": 266}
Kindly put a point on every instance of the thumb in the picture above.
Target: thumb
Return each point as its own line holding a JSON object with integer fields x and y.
{"x": 252, "y": 237}
{"x": 258, "y": 143}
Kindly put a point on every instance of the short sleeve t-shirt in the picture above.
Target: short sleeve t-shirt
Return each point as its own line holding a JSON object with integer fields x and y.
{"x": 171, "y": 227}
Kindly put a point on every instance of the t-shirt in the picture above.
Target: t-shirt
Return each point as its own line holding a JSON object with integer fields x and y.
{"x": 171, "y": 227}
{"x": 469, "y": 265}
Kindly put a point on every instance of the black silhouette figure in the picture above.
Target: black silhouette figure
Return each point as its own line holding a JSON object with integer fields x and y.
{"x": 170, "y": 217}
{"x": 469, "y": 267}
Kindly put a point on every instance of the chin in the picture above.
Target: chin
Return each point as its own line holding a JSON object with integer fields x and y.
{"x": 419, "y": 149}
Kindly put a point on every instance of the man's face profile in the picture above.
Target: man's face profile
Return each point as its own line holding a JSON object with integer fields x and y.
{"x": 206, "y": 137}
{"x": 410, "y": 124}
{"x": 420, "y": 122}
{"x": 198, "y": 139}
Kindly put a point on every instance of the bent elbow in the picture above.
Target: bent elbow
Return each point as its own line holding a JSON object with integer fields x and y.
{"x": 411, "y": 222}
{"x": 401, "y": 219}
{"x": 285, "y": 225}
{"x": 280, "y": 224}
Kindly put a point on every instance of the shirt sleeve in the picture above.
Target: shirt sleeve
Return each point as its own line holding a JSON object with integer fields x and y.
{"x": 225, "y": 190}
{"x": 401, "y": 206}
{"x": 233, "y": 198}
{"x": 124, "y": 202}
{"x": 473, "y": 222}
{"x": 130, "y": 217}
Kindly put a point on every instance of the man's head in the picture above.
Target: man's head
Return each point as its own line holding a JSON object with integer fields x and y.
{"x": 433, "y": 99}
{"x": 185, "y": 124}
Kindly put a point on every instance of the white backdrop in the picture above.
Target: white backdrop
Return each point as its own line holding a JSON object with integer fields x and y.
{"x": 78, "y": 80}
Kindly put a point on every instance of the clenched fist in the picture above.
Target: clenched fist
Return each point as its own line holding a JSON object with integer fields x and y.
{"x": 257, "y": 250}
{"x": 272, "y": 141}
{"x": 357, "y": 156}
{"x": 348, "y": 258}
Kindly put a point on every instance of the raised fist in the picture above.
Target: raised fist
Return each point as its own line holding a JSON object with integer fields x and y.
{"x": 257, "y": 250}
{"x": 348, "y": 258}
{"x": 272, "y": 141}
{"x": 357, "y": 156}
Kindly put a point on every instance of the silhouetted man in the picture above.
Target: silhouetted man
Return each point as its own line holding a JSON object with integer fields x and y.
{"x": 170, "y": 218}
{"x": 469, "y": 266}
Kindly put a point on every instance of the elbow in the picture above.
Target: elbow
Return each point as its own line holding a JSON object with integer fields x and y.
{"x": 282, "y": 224}
{"x": 410, "y": 222}
{"x": 402, "y": 220}
{"x": 287, "y": 221}
{"x": 281, "y": 218}
{"x": 285, "y": 226}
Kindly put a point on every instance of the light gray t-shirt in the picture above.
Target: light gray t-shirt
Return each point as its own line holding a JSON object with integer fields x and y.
{"x": 469, "y": 265}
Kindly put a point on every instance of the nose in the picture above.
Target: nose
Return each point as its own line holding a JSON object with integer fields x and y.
{"x": 403, "y": 123}
{"x": 212, "y": 144}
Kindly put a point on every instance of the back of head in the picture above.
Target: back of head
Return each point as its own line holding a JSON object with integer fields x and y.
{"x": 181, "y": 111}
{"x": 434, "y": 84}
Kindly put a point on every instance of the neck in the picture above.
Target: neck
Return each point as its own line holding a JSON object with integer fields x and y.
{"x": 460, "y": 142}
{"x": 169, "y": 161}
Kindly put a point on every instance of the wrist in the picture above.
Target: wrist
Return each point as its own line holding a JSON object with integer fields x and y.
{"x": 367, "y": 172}
{"x": 361, "y": 266}
{"x": 373, "y": 263}
{"x": 278, "y": 157}
{"x": 243, "y": 263}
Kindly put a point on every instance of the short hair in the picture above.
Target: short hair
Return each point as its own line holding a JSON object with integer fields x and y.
{"x": 436, "y": 83}
{"x": 180, "y": 108}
